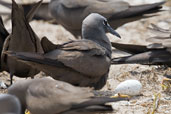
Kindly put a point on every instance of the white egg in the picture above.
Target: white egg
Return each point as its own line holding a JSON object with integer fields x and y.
{"x": 129, "y": 87}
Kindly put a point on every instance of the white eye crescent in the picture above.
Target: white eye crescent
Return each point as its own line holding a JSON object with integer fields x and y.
{"x": 105, "y": 23}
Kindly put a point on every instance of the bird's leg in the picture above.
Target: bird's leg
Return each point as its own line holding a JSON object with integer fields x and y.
{"x": 11, "y": 77}
{"x": 27, "y": 112}
{"x": 121, "y": 96}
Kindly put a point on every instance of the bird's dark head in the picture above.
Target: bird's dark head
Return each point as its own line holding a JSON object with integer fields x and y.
{"x": 96, "y": 22}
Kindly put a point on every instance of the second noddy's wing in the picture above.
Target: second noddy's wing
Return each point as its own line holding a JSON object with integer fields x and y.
{"x": 154, "y": 57}
{"x": 158, "y": 53}
{"x": 136, "y": 49}
{"x": 4, "y": 33}
{"x": 31, "y": 13}
{"x": 42, "y": 12}
{"x": 20, "y": 29}
{"x": 130, "y": 48}
{"x": 22, "y": 38}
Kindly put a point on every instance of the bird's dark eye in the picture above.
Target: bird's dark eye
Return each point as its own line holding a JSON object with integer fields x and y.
{"x": 105, "y": 22}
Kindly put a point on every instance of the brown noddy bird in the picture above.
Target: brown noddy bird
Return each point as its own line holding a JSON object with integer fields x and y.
{"x": 9, "y": 104}
{"x": 157, "y": 53}
{"x": 42, "y": 13}
{"x": 70, "y": 13}
{"x": 83, "y": 62}
{"x": 23, "y": 39}
{"x": 49, "y": 96}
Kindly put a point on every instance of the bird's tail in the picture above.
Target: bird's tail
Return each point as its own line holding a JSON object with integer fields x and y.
{"x": 33, "y": 58}
{"x": 96, "y": 104}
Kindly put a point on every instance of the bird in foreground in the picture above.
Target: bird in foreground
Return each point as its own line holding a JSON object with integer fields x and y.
{"x": 71, "y": 13}
{"x": 84, "y": 62}
{"x": 42, "y": 13}
{"x": 157, "y": 53}
{"x": 49, "y": 96}
{"x": 23, "y": 39}
{"x": 9, "y": 104}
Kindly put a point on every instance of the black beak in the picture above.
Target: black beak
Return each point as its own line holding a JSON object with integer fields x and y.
{"x": 110, "y": 30}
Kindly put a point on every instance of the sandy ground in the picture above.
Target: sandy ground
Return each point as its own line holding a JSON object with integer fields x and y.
{"x": 150, "y": 76}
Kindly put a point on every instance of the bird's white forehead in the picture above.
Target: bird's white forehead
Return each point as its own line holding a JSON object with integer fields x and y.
{"x": 94, "y": 17}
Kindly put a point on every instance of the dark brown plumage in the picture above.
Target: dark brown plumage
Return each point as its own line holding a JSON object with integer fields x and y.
{"x": 83, "y": 62}
{"x": 22, "y": 38}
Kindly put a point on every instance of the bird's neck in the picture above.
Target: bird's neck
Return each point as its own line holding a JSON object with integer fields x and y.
{"x": 100, "y": 38}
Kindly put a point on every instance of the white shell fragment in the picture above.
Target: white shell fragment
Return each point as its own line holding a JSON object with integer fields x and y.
{"x": 129, "y": 87}
{"x": 2, "y": 85}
